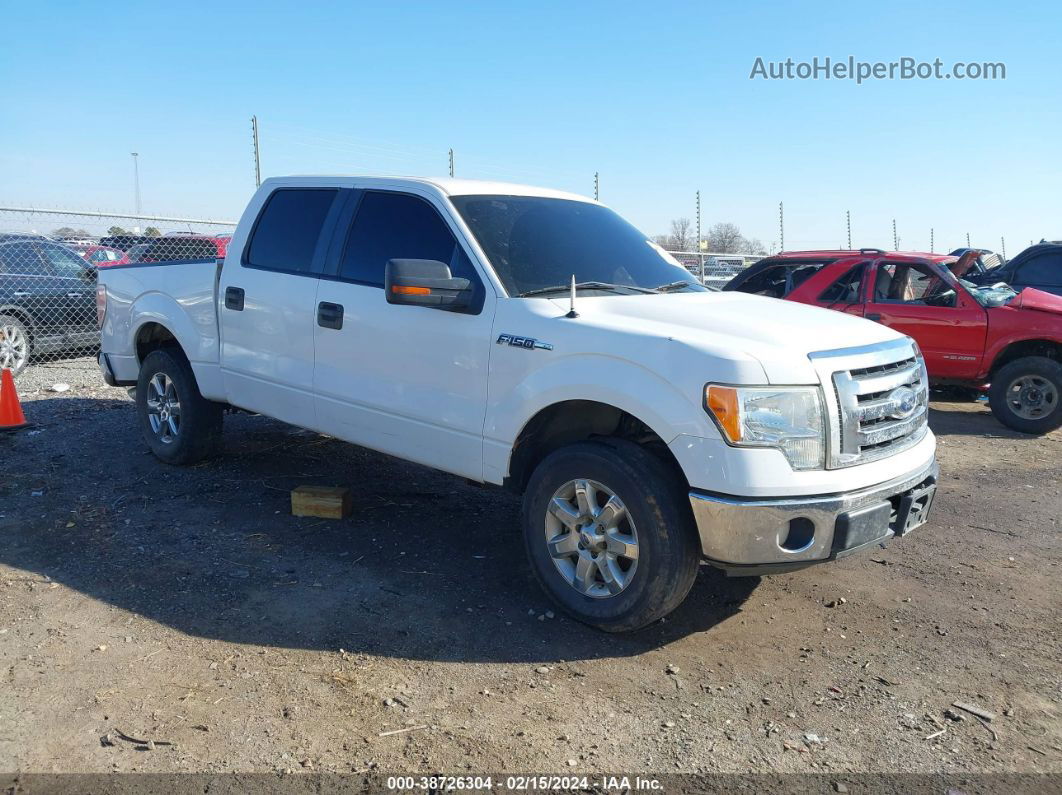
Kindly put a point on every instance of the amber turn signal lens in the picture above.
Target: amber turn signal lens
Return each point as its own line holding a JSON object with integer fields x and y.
{"x": 722, "y": 401}
{"x": 400, "y": 290}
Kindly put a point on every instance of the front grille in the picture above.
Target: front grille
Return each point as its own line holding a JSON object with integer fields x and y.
{"x": 882, "y": 409}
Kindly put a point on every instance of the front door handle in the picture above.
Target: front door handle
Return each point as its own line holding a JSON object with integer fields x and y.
{"x": 874, "y": 316}
{"x": 234, "y": 298}
{"x": 330, "y": 315}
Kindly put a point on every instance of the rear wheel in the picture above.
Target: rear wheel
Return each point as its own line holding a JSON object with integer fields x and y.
{"x": 1026, "y": 394}
{"x": 14, "y": 344}
{"x": 177, "y": 422}
{"x": 609, "y": 534}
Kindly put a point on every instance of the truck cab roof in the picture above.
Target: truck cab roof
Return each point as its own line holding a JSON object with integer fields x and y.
{"x": 448, "y": 186}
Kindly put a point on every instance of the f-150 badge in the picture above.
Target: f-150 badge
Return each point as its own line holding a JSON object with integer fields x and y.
{"x": 530, "y": 343}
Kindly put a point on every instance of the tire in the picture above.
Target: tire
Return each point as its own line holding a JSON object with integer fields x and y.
{"x": 1026, "y": 394}
{"x": 179, "y": 425}
{"x": 655, "y": 516}
{"x": 15, "y": 344}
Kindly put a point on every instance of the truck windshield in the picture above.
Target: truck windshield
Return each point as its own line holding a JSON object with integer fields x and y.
{"x": 536, "y": 243}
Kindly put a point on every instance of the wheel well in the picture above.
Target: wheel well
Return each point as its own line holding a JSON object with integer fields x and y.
{"x": 1018, "y": 350}
{"x": 576, "y": 421}
{"x": 152, "y": 337}
{"x": 21, "y": 314}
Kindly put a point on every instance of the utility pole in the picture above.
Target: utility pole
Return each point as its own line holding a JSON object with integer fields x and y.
{"x": 451, "y": 162}
{"x": 782, "y": 228}
{"x": 136, "y": 184}
{"x": 848, "y": 222}
{"x": 1003, "y": 248}
{"x": 930, "y": 240}
{"x": 700, "y": 256}
{"x": 597, "y": 187}
{"x": 967, "y": 240}
{"x": 257, "y": 161}
{"x": 895, "y": 239}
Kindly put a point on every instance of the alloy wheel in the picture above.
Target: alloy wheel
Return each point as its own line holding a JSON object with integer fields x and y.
{"x": 14, "y": 347}
{"x": 163, "y": 408}
{"x": 591, "y": 538}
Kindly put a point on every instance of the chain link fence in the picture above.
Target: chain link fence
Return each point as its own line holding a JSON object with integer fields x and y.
{"x": 49, "y": 261}
{"x": 714, "y": 269}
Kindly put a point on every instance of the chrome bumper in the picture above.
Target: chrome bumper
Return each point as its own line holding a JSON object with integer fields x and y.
{"x": 757, "y": 536}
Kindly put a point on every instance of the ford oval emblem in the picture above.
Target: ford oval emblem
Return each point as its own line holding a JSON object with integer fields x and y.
{"x": 904, "y": 401}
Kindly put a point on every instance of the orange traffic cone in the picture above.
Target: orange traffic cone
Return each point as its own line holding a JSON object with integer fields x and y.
{"x": 11, "y": 416}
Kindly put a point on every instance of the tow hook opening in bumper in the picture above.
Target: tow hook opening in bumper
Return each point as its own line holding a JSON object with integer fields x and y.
{"x": 761, "y": 536}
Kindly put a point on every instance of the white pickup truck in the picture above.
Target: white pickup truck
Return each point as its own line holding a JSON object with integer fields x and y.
{"x": 534, "y": 339}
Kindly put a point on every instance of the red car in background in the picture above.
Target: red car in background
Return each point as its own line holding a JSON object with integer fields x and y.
{"x": 971, "y": 336}
{"x": 100, "y": 256}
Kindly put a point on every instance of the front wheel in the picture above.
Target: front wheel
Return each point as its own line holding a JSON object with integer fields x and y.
{"x": 177, "y": 422}
{"x": 1026, "y": 394}
{"x": 609, "y": 534}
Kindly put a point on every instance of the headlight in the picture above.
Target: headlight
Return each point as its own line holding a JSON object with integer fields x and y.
{"x": 786, "y": 418}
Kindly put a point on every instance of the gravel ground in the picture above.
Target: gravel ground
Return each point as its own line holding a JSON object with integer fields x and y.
{"x": 187, "y": 606}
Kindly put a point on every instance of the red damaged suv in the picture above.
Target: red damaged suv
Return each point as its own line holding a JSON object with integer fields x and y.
{"x": 971, "y": 336}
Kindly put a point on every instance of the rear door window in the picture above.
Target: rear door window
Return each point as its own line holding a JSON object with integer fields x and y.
{"x": 288, "y": 230}
{"x": 846, "y": 289}
{"x": 63, "y": 261}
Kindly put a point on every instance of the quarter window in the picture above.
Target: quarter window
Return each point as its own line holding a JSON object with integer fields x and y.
{"x": 286, "y": 234}
{"x": 398, "y": 226}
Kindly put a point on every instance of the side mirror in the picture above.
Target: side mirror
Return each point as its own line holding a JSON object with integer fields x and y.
{"x": 90, "y": 274}
{"x": 425, "y": 282}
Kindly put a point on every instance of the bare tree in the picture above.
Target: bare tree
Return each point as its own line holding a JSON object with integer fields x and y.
{"x": 681, "y": 237}
{"x": 754, "y": 246}
{"x": 725, "y": 238}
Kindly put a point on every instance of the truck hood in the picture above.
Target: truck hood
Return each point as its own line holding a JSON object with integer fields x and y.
{"x": 778, "y": 334}
{"x": 1031, "y": 298}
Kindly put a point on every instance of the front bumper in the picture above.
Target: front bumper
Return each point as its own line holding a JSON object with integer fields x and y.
{"x": 761, "y": 536}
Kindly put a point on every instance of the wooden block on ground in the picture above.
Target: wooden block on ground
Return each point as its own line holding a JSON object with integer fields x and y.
{"x": 326, "y": 502}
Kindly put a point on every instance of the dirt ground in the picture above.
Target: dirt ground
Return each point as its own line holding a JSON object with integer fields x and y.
{"x": 187, "y": 606}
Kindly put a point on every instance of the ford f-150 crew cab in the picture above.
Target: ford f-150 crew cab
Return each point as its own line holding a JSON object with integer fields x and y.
{"x": 534, "y": 339}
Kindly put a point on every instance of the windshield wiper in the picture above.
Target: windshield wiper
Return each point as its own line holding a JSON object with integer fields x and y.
{"x": 667, "y": 288}
{"x": 558, "y": 288}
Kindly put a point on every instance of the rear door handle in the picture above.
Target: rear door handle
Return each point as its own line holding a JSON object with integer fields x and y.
{"x": 76, "y": 295}
{"x": 330, "y": 315}
{"x": 874, "y": 316}
{"x": 234, "y": 298}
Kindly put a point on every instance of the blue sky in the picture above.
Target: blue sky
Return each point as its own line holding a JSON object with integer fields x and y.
{"x": 656, "y": 97}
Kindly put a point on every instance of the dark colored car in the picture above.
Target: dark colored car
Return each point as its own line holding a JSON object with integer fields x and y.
{"x": 179, "y": 248}
{"x": 47, "y": 300}
{"x": 1038, "y": 266}
{"x": 125, "y": 242}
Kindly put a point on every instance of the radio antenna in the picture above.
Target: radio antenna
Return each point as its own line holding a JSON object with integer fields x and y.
{"x": 572, "y": 312}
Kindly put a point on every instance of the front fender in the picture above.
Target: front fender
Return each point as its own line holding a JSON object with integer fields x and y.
{"x": 628, "y": 386}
